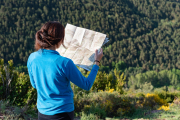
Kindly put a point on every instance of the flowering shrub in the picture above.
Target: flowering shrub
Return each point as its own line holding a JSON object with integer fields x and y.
{"x": 114, "y": 80}
{"x": 157, "y": 99}
{"x": 107, "y": 105}
{"x": 111, "y": 102}
{"x": 152, "y": 101}
{"x": 166, "y": 95}
{"x": 95, "y": 109}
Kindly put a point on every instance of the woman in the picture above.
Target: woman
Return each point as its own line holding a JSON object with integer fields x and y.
{"x": 50, "y": 73}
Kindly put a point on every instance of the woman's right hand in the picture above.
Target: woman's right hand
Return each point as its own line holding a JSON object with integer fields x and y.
{"x": 98, "y": 56}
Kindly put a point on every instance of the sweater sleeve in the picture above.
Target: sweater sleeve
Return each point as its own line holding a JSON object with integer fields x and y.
{"x": 74, "y": 75}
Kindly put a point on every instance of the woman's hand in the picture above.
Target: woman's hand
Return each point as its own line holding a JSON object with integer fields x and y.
{"x": 98, "y": 56}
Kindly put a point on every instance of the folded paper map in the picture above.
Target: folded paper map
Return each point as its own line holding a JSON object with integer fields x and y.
{"x": 81, "y": 44}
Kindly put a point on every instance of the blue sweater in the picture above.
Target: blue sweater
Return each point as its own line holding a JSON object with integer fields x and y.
{"x": 50, "y": 74}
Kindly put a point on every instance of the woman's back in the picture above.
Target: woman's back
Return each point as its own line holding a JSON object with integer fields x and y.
{"x": 49, "y": 78}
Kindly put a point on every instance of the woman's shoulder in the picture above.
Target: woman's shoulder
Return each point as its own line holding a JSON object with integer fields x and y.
{"x": 64, "y": 60}
{"x": 31, "y": 57}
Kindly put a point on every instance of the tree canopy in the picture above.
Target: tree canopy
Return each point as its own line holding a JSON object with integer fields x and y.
{"x": 143, "y": 34}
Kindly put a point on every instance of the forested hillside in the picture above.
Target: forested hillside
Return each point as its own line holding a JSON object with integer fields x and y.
{"x": 142, "y": 33}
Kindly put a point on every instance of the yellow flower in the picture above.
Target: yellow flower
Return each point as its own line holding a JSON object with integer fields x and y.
{"x": 111, "y": 90}
{"x": 166, "y": 108}
{"x": 157, "y": 99}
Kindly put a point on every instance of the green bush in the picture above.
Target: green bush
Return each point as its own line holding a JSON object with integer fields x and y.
{"x": 114, "y": 80}
{"x": 112, "y": 103}
{"x": 178, "y": 88}
{"x": 10, "y": 112}
{"x": 15, "y": 86}
{"x": 168, "y": 96}
{"x": 95, "y": 109}
{"x": 140, "y": 95}
{"x": 157, "y": 79}
{"x": 90, "y": 116}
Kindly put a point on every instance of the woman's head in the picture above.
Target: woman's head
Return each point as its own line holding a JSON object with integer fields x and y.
{"x": 51, "y": 34}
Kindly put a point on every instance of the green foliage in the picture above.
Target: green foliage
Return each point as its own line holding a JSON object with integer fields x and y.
{"x": 10, "y": 112}
{"x": 22, "y": 69}
{"x": 144, "y": 35}
{"x": 3, "y": 105}
{"x": 95, "y": 109}
{"x": 110, "y": 102}
{"x": 131, "y": 106}
{"x": 104, "y": 68}
{"x": 140, "y": 95}
{"x": 153, "y": 101}
{"x": 90, "y": 116}
{"x": 114, "y": 80}
{"x": 156, "y": 79}
{"x": 168, "y": 96}
{"x": 100, "y": 81}
{"x": 15, "y": 86}
{"x": 141, "y": 33}
{"x": 120, "y": 81}
{"x": 121, "y": 65}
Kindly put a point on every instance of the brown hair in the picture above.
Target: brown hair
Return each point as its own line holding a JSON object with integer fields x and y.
{"x": 50, "y": 34}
